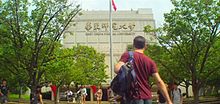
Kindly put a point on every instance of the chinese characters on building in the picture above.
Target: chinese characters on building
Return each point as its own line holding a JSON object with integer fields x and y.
{"x": 105, "y": 27}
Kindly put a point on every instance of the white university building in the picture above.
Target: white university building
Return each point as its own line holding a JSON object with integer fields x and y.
{"x": 92, "y": 29}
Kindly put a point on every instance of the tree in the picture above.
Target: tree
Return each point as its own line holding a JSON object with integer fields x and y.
{"x": 89, "y": 67}
{"x": 190, "y": 31}
{"x": 213, "y": 79}
{"x": 169, "y": 68}
{"x": 79, "y": 64}
{"x": 59, "y": 70}
{"x": 33, "y": 32}
{"x": 14, "y": 81}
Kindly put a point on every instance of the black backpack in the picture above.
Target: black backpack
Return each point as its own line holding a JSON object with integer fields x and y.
{"x": 125, "y": 81}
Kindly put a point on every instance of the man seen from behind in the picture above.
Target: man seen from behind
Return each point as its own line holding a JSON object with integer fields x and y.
{"x": 144, "y": 67}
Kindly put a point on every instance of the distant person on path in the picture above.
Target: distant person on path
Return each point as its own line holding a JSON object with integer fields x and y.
{"x": 144, "y": 68}
{"x": 98, "y": 95}
{"x": 110, "y": 93}
{"x": 69, "y": 95}
{"x": 53, "y": 89}
{"x": 4, "y": 91}
{"x": 83, "y": 93}
{"x": 38, "y": 96}
{"x": 176, "y": 95}
{"x": 170, "y": 88}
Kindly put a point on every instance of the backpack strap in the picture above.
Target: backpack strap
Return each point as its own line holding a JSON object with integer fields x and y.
{"x": 131, "y": 60}
{"x": 180, "y": 92}
{"x": 131, "y": 56}
{"x": 172, "y": 93}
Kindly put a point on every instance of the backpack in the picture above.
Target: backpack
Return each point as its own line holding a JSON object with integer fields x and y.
{"x": 173, "y": 94}
{"x": 125, "y": 81}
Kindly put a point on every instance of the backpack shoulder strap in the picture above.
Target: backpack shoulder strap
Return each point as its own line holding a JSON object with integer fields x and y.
{"x": 179, "y": 91}
{"x": 131, "y": 56}
{"x": 131, "y": 61}
{"x": 172, "y": 94}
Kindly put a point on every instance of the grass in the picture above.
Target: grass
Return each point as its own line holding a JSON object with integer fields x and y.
{"x": 16, "y": 96}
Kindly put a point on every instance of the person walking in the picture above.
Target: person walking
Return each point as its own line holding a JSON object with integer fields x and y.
{"x": 144, "y": 67}
{"x": 98, "y": 95}
{"x": 38, "y": 99}
{"x": 176, "y": 95}
{"x": 69, "y": 95}
{"x": 83, "y": 94}
{"x": 4, "y": 92}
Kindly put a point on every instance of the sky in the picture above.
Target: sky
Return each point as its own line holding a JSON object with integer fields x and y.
{"x": 159, "y": 7}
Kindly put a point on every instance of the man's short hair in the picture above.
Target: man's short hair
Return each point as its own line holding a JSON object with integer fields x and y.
{"x": 139, "y": 42}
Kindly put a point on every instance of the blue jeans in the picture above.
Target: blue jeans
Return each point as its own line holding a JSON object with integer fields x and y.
{"x": 139, "y": 102}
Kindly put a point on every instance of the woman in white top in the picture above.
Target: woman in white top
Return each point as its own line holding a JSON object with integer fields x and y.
{"x": 83, "y": 93}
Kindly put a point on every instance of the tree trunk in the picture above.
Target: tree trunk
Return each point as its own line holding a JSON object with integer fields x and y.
{"x": 196, "y": 98}
{"x": 195, "y": 88}
{"x": 20, "y": 93}
{"x": 33, "y": 90}
{"x": 57, "y": 97}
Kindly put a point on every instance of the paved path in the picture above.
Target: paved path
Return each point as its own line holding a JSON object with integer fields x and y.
{"x": 206, "y": 101}
{"x": 61, "y": 102}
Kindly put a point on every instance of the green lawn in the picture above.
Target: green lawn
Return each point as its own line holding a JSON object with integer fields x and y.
{"x": 16, "y": 96}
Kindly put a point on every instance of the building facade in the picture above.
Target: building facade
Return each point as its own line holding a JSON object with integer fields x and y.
{"x": 92, "y": 28}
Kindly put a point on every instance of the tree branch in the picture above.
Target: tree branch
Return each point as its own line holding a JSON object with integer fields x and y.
{"x": 210, "y": 43}
{"x": 74, "y": 12}
{"x": 40, "y": 21}
{"x": 17, "y": 24}
{"x": 51, "y": 47}
{"x": 49, "y": 20}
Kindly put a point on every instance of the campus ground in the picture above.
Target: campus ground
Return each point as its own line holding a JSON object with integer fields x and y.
{"x": 204, "y": 100}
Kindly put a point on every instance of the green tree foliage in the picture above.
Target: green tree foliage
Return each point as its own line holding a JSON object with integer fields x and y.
{"x": 169, "y": 68}
{"x": 33, "y": 30}
{"x": 59, "y": 70}
{"x": 79, "y": 64}
{"x": 192, "y": 30}
{"x": 89, "y": 64}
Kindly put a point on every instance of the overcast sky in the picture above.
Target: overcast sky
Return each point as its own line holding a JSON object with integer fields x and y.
{"x": 159, "y": 6}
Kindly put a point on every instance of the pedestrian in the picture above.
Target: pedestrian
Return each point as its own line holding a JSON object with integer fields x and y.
{"x": 110, "y": 93}
{"x": 176, "y": 95}
{"x": 144, "y": 67}
{"x": 4, "y": 92}
{"x": 98, "y": 95}
{"x": 170, "y": 88}
{"x": 38, "y": 99}
{"x": 69, "y": 95}
{"x": 83, "y": 93}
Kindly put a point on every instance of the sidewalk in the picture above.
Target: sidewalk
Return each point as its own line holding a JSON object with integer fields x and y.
{"x": 61, "y": 102}
{"x": 205, "y": 100}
